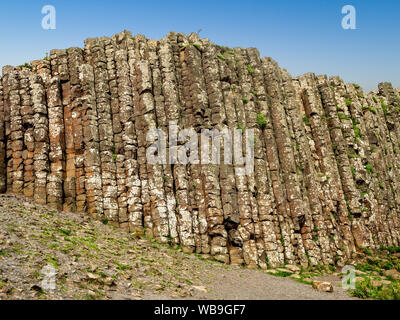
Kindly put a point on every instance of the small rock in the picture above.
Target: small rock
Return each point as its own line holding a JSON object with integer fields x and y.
{"x": 109, "y": 281}
{"x": 322, "y": 286}
{"x": 284, "y": 270}
{"x": 295, "y": 276}
{"x": 386, "y": 282}
{"x": 158, "y": 287}
{"x": 293, "y": 268}
{"x": 200, "y": 288}
{"x": 91, "y": 293}
{"x": 360, "y": 273}
{"x": 92, "y": 276}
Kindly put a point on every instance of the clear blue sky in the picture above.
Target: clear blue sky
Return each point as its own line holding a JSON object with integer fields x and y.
{"x": 302, "y": 36}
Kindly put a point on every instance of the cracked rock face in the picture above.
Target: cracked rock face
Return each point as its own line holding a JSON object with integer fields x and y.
{"x": 326, "y": 181}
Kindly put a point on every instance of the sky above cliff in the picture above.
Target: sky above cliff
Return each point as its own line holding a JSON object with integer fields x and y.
{"x": 303, "y": 36}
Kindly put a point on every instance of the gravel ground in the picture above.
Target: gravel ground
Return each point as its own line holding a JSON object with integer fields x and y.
{"x": 239, "y": 284}
{"x": 96, "y": 261}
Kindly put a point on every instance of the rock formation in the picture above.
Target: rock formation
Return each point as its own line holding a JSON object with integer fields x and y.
{"x": 327, "y": 155}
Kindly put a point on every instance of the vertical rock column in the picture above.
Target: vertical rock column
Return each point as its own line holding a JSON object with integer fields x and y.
{"x": 267, "y": 218}
{"x": 162, "y": 123}
{"x": 137, "y": 53}
{"x": 59, "y": 69}
{"x": 92, "y": 163}
{"x": 179, "y": 210}
{"x": 382, "y": 157}
{"x": 274, "y": 149}
{"x": 391, "y": 110}
{"x": 299, "y": 193}
{"x": 225, "y": 218}
{"x": 7, "y": 125}
{"x": 57, "y": 145}
{"x": 366, "y": 179}
{"x": 345, "y": 171}
{"x": 170, "y": 102}
{"x": 247, "y": 117}
{"x": 43, "y": 69}
{"x": 188, "y": 119}
{"x": 157, "y": 217}
{"x": 330, "y": 188}
{"x": 281, "y": 115}
{"x": 242, "y": 244}
{"x": 308, "y": 170}
{"x": 156, "y": 171}
{"x": 202, "y": 180}
{"x": 390, "y": 105}
{"x": 3, "y": 181}
{"x": 255, "y": 87}
{"x": 276, "y": 229}
{"x": 231, "y": 199}
{"x": 121, "y": 95}
{"x": 75, "y": 60}
{"x": 349, "y": 115}
{"x": 133, "y": 181}
{"x": 41, "y": 136}
{"x": 27, "y": 114}
{"x": 169, "y": 52}
{"x": 97, "y": 57}
{"x": 16, "y": 166}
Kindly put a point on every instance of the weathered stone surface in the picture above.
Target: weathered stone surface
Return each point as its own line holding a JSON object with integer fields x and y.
{"x": 3, "y": 171}
{"x": 326, "y": 180}
{"x": 322, "y": 286}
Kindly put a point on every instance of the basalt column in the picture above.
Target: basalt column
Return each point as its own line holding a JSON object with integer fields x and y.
{"x": 96, "y": 56}
{"x": 3, "y": 182}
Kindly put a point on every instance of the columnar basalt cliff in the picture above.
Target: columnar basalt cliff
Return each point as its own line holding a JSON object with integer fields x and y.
{"x": 327, "y": 155}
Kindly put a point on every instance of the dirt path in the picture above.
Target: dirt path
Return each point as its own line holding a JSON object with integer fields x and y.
{"x": 239, "y": 284}
{"x": 96, "y": 261}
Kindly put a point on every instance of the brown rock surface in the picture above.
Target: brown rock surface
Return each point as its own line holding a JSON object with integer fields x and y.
{"x": 322, "y": 286}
